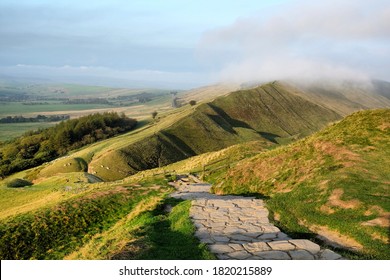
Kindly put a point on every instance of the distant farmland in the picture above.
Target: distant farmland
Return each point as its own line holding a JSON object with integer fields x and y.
{"x": 12, "y": 130}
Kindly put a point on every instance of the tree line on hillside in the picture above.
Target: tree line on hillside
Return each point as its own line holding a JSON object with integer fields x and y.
{"x": 38, "y": 118}
{"x": 87, "y": 101}
{"x": 34, "y": 148}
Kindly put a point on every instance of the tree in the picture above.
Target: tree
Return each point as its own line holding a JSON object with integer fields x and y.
{"x": 192, "y": 102}
{"x": 154, "y": 114}
{"x": 34, "y": 148}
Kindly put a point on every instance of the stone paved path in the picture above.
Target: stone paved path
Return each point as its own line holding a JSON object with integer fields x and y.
{"x": 236, "y": 227}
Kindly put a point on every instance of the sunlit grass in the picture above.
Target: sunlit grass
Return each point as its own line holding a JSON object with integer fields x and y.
{"x": 351, "y": 157}
{"x": 53, "y": 231}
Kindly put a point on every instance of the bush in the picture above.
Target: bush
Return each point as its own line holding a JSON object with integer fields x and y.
{"x": 18, "y": 183}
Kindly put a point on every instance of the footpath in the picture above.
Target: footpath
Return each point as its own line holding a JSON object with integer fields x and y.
{"x": 236, "y": 227}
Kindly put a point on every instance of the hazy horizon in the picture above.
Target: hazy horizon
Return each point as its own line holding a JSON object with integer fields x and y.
{"x": 177, "y": 44}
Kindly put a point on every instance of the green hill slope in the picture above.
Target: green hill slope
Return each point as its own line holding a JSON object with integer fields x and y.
{"x": 344, "y": 97}
{"x": 268, "y": 113}
{"x": 335, "y": 183}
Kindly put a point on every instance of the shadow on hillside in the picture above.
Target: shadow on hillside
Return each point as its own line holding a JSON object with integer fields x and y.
{"x": 178, "y": 144}
{"x": 228, "y": 123}
{"x": 142, "y": 123}
{"x": 225, "y": 121}
{"x": 269, "y": 136}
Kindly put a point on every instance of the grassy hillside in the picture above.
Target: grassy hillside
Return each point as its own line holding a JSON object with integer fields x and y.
{"x": 273, "y": 111}
{"x": 207, "y": 163}
{"x": 10, "y": 131}
{"x": 74, "y": 217}
{"x": 267, "y": 113}
{"x": 208, "y": 92}
{"x": 344, "y": 97}
{"x": 335, "y": 183}
{"x": 69, "y": 218}
{"x": 382, "y": 88}
{"x": 148, "y": 232}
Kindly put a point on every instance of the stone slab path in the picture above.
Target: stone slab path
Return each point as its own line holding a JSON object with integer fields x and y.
{"x": 236, "y": 227}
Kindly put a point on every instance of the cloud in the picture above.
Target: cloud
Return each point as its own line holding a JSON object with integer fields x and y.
{"x": 332, "y": 40}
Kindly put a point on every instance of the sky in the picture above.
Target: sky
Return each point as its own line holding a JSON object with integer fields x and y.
{"x": 186, "y": 44}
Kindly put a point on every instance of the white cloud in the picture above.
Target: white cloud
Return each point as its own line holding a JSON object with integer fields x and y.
{"x": 331, "y": 39}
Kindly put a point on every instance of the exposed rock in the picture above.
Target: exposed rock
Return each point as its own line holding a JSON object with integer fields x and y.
{"x": 221, "y": 248}
{"x": 329, "y": 255}
{"x": 301, "y": 255}
{"x": 306, "y": 245}
{"x": 282, "y": 245}
{"x": 273, "y": 255}
{"x": 240, "y": 255}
